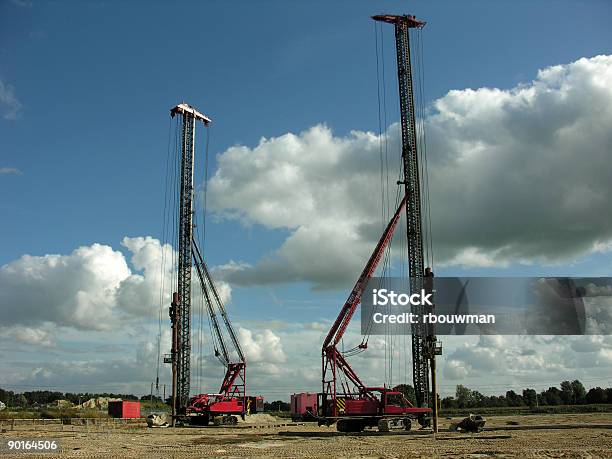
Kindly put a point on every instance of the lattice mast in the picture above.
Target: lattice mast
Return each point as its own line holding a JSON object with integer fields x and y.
{"x": 180, "y": 310}
{"x": 422, "y": 349}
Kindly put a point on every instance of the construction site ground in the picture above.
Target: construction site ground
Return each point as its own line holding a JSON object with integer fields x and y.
{"x": 559, "y": 435}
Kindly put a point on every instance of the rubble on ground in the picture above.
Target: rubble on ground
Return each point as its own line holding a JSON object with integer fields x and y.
{"x": 159, "y": 420}
{"x": 98, "y": 403}
{"x": 473, "y": 423}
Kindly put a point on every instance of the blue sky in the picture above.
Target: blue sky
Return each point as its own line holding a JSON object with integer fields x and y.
{"x": 91, "y": 85}
{"x": 97, "y": 79}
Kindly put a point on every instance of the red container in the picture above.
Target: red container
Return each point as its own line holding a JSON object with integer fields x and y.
{"x": 304, "y": 405}
{"x": 124, "y": 409}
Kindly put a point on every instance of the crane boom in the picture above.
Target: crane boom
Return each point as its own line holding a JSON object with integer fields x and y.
{"x": 234, "y": 382}
{"x": 346, "y": 313}
{"x": 226, "y": 320}
{"x": 208, "y": 286}
{"x": 199, "y": 263}
{"x": 332, "y": 359}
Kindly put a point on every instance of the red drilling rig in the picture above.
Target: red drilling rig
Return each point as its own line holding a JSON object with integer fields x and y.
{"x": 231, "y": 401}
{"x": 351, "y": 404}
{"x": 354, "y": 405}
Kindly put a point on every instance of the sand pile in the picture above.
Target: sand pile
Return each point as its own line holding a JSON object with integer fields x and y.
{"x": 259, "y": 418}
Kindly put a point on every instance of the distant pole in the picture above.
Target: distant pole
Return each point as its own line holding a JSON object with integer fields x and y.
{"x": 151, "y": 394}
{"x": 434, "y": 388}
{"x": 164, "y": 394}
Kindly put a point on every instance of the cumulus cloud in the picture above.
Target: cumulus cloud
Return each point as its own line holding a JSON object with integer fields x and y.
{"x": 76, "y": 290}
{"x": 517, "y": 175}
{"x": 308, "y": 183}
{"x": 534, "y": 359}
{"x": 139, "y": 291}
{"x": 12, "y": 105}
{"x": 264, "y": 346}
{"x": 89, "y": 289}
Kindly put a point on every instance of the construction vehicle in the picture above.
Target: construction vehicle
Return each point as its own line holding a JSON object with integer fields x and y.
{"x": 345, "y": 399}
{"x": 354, "y": 406}
{"x": 231, "y": 401}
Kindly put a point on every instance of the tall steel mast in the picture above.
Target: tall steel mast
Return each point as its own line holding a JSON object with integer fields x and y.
{"x": 180, "y": 310}
{"x": 424, "y": 345}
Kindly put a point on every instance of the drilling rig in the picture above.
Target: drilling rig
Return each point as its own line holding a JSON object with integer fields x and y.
{"x": 351, "y": 404}
{"x": 231, "y": 400}
{"x": 425, "y": 345}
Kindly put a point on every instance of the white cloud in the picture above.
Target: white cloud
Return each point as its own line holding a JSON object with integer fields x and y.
{"x": 12, "y": 106}
{"x": 517, "y": 176}
{"x": 91, "y": 288}
{"x": 139, "y": 292}
{"x": 77, "y": 290}
{"x": 38, "y": 336}
{"x": 10, "y": 170}
{"x": 264, "y": 346}
{"x": 525, "y": 361}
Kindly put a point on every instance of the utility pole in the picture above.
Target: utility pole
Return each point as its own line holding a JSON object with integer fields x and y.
{"x": 180, "y": 310}
{"x": 424, "y": 343}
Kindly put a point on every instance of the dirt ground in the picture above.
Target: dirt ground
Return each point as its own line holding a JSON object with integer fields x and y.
{"x": 505, "y": 436}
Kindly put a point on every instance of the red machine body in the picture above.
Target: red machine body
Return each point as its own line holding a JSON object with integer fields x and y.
{"x": 216, "y": 405}
{"x": 304, "y": 406}
{"x": 231, "y": 399}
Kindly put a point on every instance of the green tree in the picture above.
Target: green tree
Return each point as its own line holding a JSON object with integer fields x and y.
{"x": 513, "y": 398}
{"x": 596, "y": 395}
{"x": 567, "y": 393}
{"x": 578, "y": 391}
{"x": 479, "y": 400}
{"x": 20, "y": 401}
{"x": 530, "y": 397}
{"x": 463, "y": 396}
{"x": 497, "y": 401}
{"x": 542, "y": 398}
{"x": 277, "y": 405}
{"x": 449, "y": 402}
{"x": 553, "y": 396}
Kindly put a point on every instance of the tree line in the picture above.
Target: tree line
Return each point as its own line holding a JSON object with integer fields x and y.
{"x": 46, "y": 397}
{"x": 569, "y": 393}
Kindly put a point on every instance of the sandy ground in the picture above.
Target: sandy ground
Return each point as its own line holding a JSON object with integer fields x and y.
{"x": 272, "y": 440}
